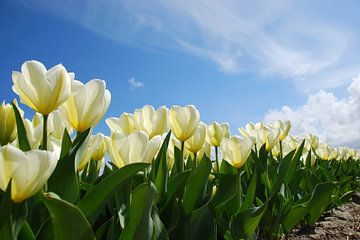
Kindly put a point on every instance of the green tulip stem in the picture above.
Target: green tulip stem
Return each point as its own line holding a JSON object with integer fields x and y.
{"x": 44, "y": 140}
{"x": 217, "y": 158}
{"x": 182, "y": 157}
{"x": 281, "y": 150}
{"x": 195, "y": 160}
{"x": 240, "y": 188}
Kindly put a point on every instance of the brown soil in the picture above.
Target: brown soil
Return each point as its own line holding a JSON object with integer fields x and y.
{"x": 341, "y": 223}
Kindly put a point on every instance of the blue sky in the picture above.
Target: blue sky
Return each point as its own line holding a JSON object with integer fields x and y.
{"x": 237, "y": 62}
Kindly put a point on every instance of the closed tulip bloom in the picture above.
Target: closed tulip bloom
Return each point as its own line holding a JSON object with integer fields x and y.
{"x": 251, "y": 131}
{"x": 183, "y": 121}
{"x": 196, "y": 142}
{"x": 314, "y": 141}
{"x": 124, "y": 124}
{"x": 87, "y": 104}
{"x": 324, "y": 151}
{"x": 7, "y": 124}
{"x": 270, "y": 136}
{"x": 95, "y": 150}
{"x": 236, "y": 150}
{"x": 284, "y": 128}
{"x": 135, "y": 147}
{"x": 216, "y": 132}
{"x": 29, "y": 171}
{"x": 42, "y": 90}
{"x": 150, "y": 121}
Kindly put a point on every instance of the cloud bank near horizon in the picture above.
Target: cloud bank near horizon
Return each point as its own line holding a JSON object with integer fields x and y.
{"x": 335, "y": 120}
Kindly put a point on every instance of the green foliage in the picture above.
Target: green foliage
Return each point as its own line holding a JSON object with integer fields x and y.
{"x": 264, "y": 199}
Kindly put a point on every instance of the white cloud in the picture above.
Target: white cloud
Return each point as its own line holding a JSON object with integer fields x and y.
{"x": 335, "y": 121}
{"x": 270, "y": 38}
{"x": 135, "y": 84}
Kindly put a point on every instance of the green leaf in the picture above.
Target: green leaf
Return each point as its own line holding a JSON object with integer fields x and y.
{"x": 250, "y": 193}
{"x": 64, "y": 181}
{"x": 294, "y": 162}
{"x": 246, "y": 222}
{"x": 226, "y": 190}
{"x": 261, "y": 169}
{"x": 24, "y": 144}
{"x": 175, "y": 183}
{"x": 226, "y": 168}
{"x": 162, "y": 171}
{"x": 97, "y": 196}
{"x": 202, "y": 224}
{"x": 6, "y": 206}
{"x": 320, "y": 199}
{"x": 67, "y": 220}
{"x": 66, "y": 144}
{"x": 26, "y": 233}
{"x": 140, "y": 225}
{"x": 195, "y": 185}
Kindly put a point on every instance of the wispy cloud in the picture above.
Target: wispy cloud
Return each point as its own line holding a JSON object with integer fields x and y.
{"x": 135, "y": 84}
{"x": 270, "y": 38}
{"x": 335, "y": 120}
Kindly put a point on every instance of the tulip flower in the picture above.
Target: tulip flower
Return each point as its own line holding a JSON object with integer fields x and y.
{"x": 150, "y": 121}
{"x": 216, "y": 132}
{"x": 324, "y": 151}
{"x": 86, "y": 105}
{"x": 196, "y": 142}
{"x": 136, "y": 147}
{"x": 42, "y": 90}
{"x": 124, "y": 124}
{"x": 7, "y": 124}
{"x": 28, "y": 171}
{"x": 284, "y": 128}
{"x": 269, "y": 135}
{"x": 95, "y": 150}
{"x": 183, "y": 121}
{"x": 236, "y": 150}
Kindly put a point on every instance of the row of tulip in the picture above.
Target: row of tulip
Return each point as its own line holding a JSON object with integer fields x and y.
{"x": 160, "y": 181}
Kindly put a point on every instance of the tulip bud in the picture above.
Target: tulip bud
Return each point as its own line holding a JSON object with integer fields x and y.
{"x": 28, "y": 171}
{"x": 183, "y": 121}
{"x": 150, "y": 121}
{"x": 216, "y": 132}
{"x": 95, "y": 150}
{"x": 124, "y": 124}
{"x": 136, "y": 147}
{"x": 7, "y": 124}
{"x": 86, "y": 105}
{"x": 251, "y": 131}
{"x": 269, "y": 136}
{"x": 235, "y": 150}
{"x": 324, "y": 151}
{"x": 284, "y": 128}
{"x": 42, "y": 90}
{"x": 196, "y": 142}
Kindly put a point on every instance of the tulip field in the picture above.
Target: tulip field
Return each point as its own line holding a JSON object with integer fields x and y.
{"x": 161, "y": 174}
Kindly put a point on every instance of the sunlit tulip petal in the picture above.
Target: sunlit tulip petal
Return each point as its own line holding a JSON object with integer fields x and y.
{"x": 183, "y": 121}
{"x": 136, "y": 147}
{"x": 86, "y": 105}
{"x": 196, "y": 142}
{"x": 235, "y": 150}
{"x": 42, "y": 90}
{"x": 150, "y": 121}
{"x": 29, "y": 171}
{"x": 7, "y": 124}
{"x": 124, "y": 124}
{"x": 216, "y": 132}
